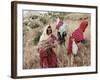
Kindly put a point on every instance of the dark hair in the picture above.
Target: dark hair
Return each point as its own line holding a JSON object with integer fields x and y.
{"x": 85, "y": 18}
{"x": 47, "y": 29}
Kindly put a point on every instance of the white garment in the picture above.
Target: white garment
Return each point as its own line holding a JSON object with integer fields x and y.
{"x": 74, "y": 48}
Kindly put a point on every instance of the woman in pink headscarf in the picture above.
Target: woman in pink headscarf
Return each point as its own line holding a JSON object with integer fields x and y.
{"x": 47, "y": 55}
{"x": 77, "y": 35}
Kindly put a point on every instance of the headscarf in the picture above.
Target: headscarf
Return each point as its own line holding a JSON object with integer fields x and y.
{"x": 77, "y": 35}
{"x": 83, "y": 25}
{"x": 44, "y": 35}
{"x": 59, "y": 24}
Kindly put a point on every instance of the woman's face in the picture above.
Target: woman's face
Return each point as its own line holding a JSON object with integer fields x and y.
{"x": 49, "y": 31}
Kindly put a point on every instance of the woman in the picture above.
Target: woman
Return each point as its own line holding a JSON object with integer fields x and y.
{"x": 48, "y": 57}
{"x": 77, "y": 35}
{"x": 61, "y": 28}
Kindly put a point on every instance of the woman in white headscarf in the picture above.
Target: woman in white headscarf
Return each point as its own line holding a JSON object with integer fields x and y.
{"x": 48, "y": 57}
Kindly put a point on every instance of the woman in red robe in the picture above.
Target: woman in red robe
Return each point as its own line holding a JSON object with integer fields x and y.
{"x": 47, "y": 55}
{"x": 77, "y": 35}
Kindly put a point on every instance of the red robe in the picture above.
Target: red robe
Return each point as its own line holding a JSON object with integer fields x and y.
{"x": 48, "y": 57}
{"x": 77, "y": 35}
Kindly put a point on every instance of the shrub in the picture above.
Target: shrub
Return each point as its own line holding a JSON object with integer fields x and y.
{"x": 36, "y": 38}
{"x": 34, "y": 17}
{"x": 34, "y": 24}
{"x": 44, "y": 19}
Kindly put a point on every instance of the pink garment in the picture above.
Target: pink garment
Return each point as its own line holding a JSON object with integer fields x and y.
{"x": 77, "y": 35}
{"x": 60, "y": 23}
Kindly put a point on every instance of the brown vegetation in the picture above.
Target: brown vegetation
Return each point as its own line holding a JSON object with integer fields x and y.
{"x": 33, "y": 24}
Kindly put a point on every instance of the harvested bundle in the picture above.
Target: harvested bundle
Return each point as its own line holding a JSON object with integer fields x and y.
{"x": 45, "y": 44}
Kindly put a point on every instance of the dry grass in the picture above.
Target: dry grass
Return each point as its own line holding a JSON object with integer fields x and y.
{"x": 31, "y": 55}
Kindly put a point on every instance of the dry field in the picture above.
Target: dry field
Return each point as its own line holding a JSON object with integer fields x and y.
{"x": 32, "y": 30}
